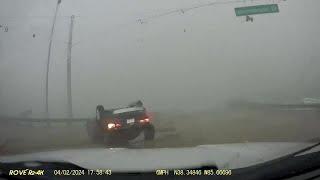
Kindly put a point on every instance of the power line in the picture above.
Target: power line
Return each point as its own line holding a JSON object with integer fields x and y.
{"x": 35, "y": 16}
{"x": 183, "y": 10}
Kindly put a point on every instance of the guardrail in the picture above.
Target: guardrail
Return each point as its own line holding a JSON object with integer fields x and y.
{"x": 40, "y": 121}
{"x": 37, "y": 122}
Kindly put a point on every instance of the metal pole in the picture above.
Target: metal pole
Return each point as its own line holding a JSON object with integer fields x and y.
{"x": 69, "y": 92}
{"x": 48, "y": 61}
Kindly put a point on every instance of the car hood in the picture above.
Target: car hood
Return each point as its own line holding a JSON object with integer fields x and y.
{"x": 227, "y": 156}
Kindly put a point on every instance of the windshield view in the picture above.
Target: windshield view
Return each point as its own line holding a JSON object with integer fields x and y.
{"x": 225, "y": 89}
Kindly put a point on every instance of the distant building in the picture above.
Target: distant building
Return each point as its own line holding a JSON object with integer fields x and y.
{"x": 311, "y": 101}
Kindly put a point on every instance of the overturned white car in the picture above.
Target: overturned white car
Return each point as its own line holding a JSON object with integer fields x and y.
{"x": 120, "y": 124}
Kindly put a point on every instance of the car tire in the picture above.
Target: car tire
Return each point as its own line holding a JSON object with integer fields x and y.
{"x": 99, "y": 109}
{"x": 149, "y": 133}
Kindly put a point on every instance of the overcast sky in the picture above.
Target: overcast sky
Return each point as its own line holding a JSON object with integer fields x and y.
{"x": 192, "y": 60}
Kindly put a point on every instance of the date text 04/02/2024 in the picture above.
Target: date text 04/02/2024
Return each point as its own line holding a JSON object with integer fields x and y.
{"x": 81, "y": 172}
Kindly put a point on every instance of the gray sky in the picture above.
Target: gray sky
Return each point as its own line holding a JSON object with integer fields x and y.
{"x": 187, "y": 61}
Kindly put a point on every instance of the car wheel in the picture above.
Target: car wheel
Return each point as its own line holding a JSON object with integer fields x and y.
{"x": 99, "y": 109}
{"x": 149, "y": 132}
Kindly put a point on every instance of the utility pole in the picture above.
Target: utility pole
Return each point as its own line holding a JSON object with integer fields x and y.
{"x": 48, "y": 61}
{"x": 69, "y": 92}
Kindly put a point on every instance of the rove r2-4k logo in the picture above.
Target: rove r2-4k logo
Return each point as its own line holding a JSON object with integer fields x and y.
{"x": 26, "y": 172}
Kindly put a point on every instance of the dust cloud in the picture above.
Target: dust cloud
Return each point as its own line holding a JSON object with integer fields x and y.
{"x": 186, "y": 66}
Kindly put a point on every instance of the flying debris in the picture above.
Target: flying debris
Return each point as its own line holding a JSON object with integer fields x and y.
{"x": 248, "y": 18}
{"x": 240, "y": 11}
{"x": 6, "y": 29}
{"x": 140, "y": 21}
{"x": 33, "y": 35}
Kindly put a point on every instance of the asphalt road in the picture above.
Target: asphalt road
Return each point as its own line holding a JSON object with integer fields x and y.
{"x": 191, "y": 129}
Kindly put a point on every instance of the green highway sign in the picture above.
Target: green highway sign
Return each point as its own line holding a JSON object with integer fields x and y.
{"x": 260, "y": 9}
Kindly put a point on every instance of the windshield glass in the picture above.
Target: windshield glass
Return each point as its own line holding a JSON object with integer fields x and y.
{"x": 205, "y": 72}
